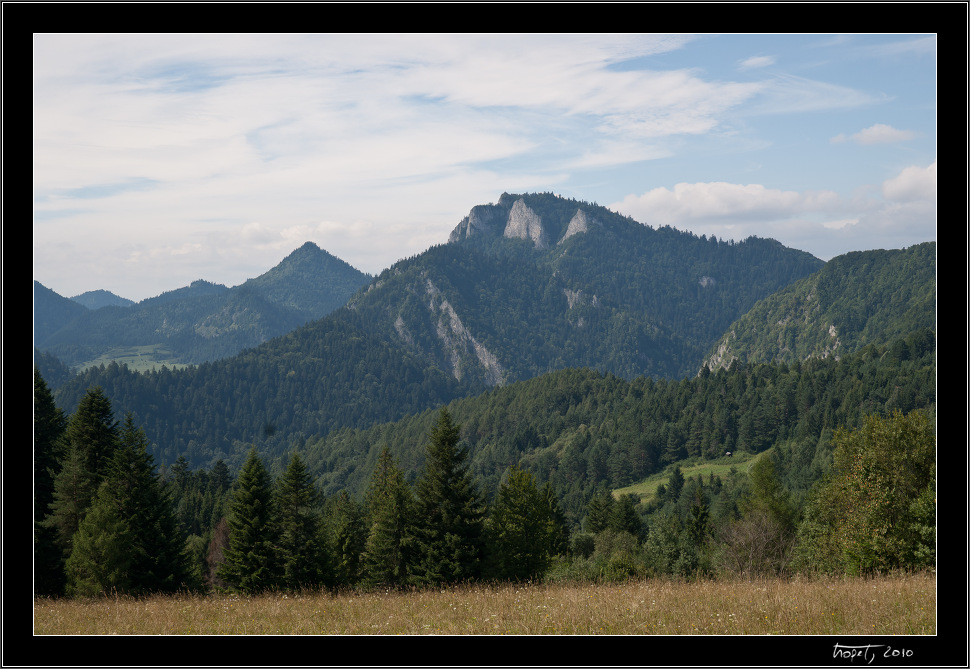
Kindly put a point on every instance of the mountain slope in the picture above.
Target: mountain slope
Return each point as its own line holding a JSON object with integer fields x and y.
{"x": 95, "y": 299}
{"x": 558, "y": 292}
{"x": 52, "y": 311}
{"x": 538, "y": 282}
{"x": 206, "y": 321}
{"x": 860, "y": 298}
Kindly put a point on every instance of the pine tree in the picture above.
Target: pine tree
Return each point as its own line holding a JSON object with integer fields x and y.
{"x": 599, "y": 511}
{"x": 90, "y": 440}
{"x": 128, "y": 541}
{"x": 249, "y": 561}
{"x": 524, "y": 533}
{"x": 299, "y": 528}
{"x": 49, "y": 426}
{"x": 157, "y": 544}
{"x": 94, "y": 429}
{"x": 389, "y": 504}
{"x": 347, "y": 535}
{"x": 449, "y": 511}
{"x": 100, "y": 562}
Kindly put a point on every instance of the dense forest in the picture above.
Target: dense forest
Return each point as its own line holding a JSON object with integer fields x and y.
{"x": 517, "y": 484}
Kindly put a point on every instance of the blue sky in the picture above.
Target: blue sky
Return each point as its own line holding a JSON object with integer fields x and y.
{"x": 161, "y": 159}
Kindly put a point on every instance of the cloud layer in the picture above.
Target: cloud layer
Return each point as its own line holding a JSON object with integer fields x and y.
{"x": 159, "y": 159}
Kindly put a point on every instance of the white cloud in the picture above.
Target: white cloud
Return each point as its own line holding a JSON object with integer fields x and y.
{"x": 879, "y": 133}
{"x": 756, "y": 62}
{"x": 821, "y": 222}
{"x": 913, "y": 183}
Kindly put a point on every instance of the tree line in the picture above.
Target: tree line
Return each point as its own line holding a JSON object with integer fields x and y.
{"x": 107, "y": 521}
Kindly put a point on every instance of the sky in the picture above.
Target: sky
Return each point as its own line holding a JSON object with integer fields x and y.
{"x": 160, "y": 159}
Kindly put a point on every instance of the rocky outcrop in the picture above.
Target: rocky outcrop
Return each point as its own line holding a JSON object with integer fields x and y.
{"x": 514, "y": 219}
{"x": 577, "y": 224}
{"x": 523, "y": 223}
{"x": 458, "y": 342}
{"x": 485, "y": 219}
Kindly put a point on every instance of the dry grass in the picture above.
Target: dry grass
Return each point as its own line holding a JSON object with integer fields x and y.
{"x": 903, "y": 604}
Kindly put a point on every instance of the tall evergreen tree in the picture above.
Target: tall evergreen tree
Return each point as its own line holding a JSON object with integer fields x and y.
{"x": 599, "y": 511}
{"x": 390, "y": 505}
{"x": 299, "y": 528}
{"x": 49, "y": 426}
{"x": 129, "y": 540}
{"x": 100, "y": 562}
{"x": 90, "y": 439}
{"x": 449, "y": 511}
{"x": 94, "y": 429}
{"x": 250, "y": 560}
{"x": 157, "y": 544}
{"x": 524, "y": 533}
{"x": 346, "y": 531}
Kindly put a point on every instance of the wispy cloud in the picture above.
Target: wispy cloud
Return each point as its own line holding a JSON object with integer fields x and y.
{"x": 880, "y": 133}
{"x": 220, "y": 152}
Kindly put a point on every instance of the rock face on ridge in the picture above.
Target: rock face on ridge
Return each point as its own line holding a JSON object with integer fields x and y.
{"x": 524, "y": 223}
{"x": 512, "y": 218}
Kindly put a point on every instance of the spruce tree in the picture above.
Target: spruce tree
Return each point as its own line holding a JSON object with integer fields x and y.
{"x": 94, "y": 430}
{"x": 346, "y": 531}
{"x": 449, "y": 511}
{"x": 524, "y": 530}
{"x": 249, "y": 560}
{"x": 100, "y": 561}
{"x": 390, "y": 505}
{"x": 128, "y": 541}
{"x": 157, "y": 544}
{"x": 299, "y": 528}
{"x": 49, "y": 426}
{"x": 90, "y": 439}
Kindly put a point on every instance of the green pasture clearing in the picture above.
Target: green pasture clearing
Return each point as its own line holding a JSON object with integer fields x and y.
{"x": 647, "y": 488}
{"x": 138, "y": 358}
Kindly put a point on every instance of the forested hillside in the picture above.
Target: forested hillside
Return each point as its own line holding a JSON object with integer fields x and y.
{"x": 591, "y": 289}
{"x": 203, "y": 321}
{"x": 518, "y": 485}
{"x": 856, "y": 299}
{"x": 612, "y": 295}
{"x": 585, "y": 431}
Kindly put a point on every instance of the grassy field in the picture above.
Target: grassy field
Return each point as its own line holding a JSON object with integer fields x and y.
{"x": 138, "y": 358}
{"x": 647, "y": 488}
{"x": 892, "y": 605}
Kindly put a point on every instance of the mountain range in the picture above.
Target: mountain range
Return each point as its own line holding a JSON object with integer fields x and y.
{"x": 524, "y": 287}
{"x": 200, "y": 322}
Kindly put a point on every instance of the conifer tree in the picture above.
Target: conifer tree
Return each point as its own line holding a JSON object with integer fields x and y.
{"x": 90, "y": 439}
{"x": 347, "y": 535}
{"x": 249, "y": 561}
{"x": 390, "y": 505}
{"x": 157, "y": 543}
{"x": 94, "y": 430}
{"x": 299, "y": 528}
{"x": 524, "y": 531}
{"x": 100, "y": 562}
{"x": 49, "y": 425}
{"x": 449, "y": 511}
{"x": 599, "y": 511}
{"x": 129, "y": 540}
